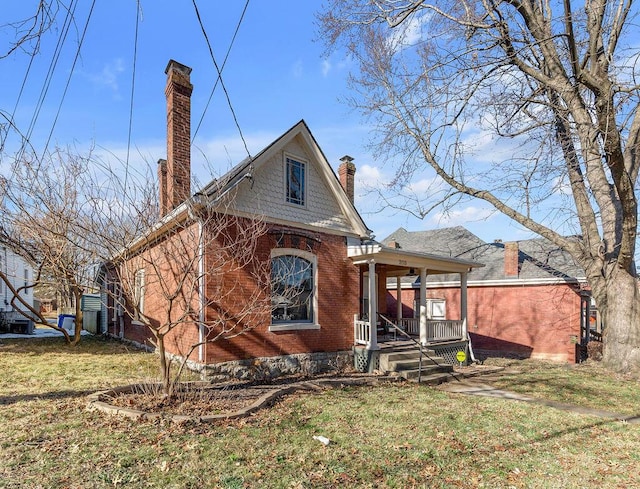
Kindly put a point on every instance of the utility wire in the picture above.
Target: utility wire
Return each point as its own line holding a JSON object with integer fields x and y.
{"x": 133, "y": 88}
{"x": 52, "y": 67}
{"x": 224, "y": 88}
{"x": 66, "y": 88}
{"x": 12, "y": 118}
{"x": 224, "y": 62}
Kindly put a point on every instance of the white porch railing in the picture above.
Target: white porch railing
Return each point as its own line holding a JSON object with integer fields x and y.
{"x": 361, "y": 332}
{"x": 437, "y": 330}
{"x": 409, "y": 325}
{"x": 444, "y": 330}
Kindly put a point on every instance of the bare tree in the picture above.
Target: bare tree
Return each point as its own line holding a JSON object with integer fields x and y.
{"x": 552, "y": 85}
{"x": 28, "y": 31}
{"x": 24, "y": 36}
{"x": 42, "y": 211}
{"x": 191, "y": 278}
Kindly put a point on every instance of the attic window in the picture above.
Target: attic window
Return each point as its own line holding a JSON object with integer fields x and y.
{"x": 295, "y": 171}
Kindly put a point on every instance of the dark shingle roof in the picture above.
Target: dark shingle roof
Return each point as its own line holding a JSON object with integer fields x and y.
{"x": 538, "y": 258}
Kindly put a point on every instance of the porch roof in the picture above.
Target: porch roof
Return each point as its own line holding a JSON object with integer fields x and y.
{"x": 399, "y": 262}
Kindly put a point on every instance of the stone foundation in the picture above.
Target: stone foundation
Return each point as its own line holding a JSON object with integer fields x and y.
{"x": 269, "y": 368}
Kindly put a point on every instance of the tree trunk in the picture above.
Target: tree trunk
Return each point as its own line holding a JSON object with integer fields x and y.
{"x": 164, "y": 366}
{"x": 621, "y": 315}
{"x": 77, "y": 332}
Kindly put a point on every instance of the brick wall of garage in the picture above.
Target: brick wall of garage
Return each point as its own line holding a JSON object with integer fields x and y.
{"x": 529, "y": 321}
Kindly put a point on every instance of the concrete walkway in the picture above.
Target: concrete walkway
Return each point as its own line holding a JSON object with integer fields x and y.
{"x": 477, "y": 387}
{"x": 38, "y": 332}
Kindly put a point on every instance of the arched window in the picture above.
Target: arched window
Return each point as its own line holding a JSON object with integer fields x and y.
{"x": 292, "y": 288}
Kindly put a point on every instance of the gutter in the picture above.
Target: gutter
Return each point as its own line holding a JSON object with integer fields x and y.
{"x": 499, "y": 283}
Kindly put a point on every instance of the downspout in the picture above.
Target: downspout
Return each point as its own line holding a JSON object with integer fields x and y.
{"x": 202, "y": 200}
{"x": 201, "y": 290}
{"x": 197, "y": 202}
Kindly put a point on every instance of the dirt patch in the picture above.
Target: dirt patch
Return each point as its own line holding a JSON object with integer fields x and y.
{"x": 200, "y": 401}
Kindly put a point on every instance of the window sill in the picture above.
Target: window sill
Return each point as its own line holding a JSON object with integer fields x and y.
{"x": 135, "y": 322}
{"x": 292, "y": 326}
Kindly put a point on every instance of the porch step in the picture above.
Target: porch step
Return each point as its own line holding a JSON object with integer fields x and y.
{"x": 406, "y": 362}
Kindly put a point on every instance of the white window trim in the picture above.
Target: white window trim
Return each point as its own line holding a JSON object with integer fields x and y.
{"x": 305, "y": 164}
{"x": 139, "y": 293}
{"x": 314, "y": 262}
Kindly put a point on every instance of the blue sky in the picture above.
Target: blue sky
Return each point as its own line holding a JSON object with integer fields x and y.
{"x": 276, "y": 75}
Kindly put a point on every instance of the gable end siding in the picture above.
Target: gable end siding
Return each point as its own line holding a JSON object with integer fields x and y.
{"x": 266, "y": 194}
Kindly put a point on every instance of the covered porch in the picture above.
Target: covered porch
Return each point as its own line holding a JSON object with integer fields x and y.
{"x": 375, "y": 324}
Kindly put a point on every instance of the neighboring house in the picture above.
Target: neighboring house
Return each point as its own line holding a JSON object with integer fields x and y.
{"x": 20, "y": 274}
{"x": 312, "y": 227}
{"x": 531, "y": 299}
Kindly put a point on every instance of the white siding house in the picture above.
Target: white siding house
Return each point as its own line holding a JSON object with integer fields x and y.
{"x": 19, "y": 273}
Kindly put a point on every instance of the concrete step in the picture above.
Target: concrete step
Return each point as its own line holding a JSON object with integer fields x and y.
{"x": 431, "y": 379}
{"x": 413, "y": 363}
{"x": 389, "y": 362}
{"x": 405, "y": 361}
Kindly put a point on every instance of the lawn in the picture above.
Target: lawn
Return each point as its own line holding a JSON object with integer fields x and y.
{"x": 394, "y": 435}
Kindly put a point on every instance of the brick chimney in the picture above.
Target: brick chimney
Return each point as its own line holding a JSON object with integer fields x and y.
{"x": 511, "y": 265}
{"x": 162, "y": 183}
{"x": 175, "y": 184}
{"x": 347, "y": 173}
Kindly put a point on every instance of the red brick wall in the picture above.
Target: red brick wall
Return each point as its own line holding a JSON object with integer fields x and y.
{"x": 337, "y": 294}
{"x": 162, "y": 265}
{"x": 531, "y": 321}
{"x": 337, "y": 299}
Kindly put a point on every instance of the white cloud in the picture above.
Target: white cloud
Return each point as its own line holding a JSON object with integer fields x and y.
{"x": 368, "y": 177}
{"x": 409, "y": 32}
{"x": 561, "y": 186}
{"x": 458, "y": 217}
{"x": 297, "y": 69}
{"x": 109, "y": 75}
{"x": 426, "y": 186}
{"x": 326, "y": 67}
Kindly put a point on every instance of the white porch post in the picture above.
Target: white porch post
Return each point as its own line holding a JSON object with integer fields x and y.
{"x": 463, "y": 303}
{"x": 423, "y": 306}
{"x": 373, "y": 307}
{"x": 398, "y": 300}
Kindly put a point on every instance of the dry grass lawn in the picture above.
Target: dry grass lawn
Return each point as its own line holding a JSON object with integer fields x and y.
{"x": 396, "y": 435}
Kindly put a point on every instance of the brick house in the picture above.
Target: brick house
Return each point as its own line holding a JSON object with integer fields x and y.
{"x": 310, "y": 228}
{"x": 530, "y": 299}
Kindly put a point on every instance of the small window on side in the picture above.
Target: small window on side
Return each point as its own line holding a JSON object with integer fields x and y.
{"x": 295, "y": 182}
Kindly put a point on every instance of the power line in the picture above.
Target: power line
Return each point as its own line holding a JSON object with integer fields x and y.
{"x": 52, "y": 67}
{"x": 224, "y": 62}
{"x": 224, "y": 88}
{"x": 66, "y": 88}
{"x": 133, "y": 87}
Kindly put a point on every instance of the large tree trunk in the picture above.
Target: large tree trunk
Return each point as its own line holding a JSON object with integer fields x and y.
{"x": 621, "y": 315}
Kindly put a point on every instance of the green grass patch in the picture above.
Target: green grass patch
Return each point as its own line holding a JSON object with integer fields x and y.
{"x": 394, "y": 435}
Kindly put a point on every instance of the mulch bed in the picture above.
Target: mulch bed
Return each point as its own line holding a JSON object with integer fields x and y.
{"x": 199, "y": 401}
{"x": 204, "y": 402}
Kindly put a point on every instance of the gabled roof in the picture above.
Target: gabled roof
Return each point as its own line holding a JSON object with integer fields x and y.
{"x": 538, "y": 259}
{"x": 246, "y": 169}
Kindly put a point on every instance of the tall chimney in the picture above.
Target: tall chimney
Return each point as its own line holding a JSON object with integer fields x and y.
{"x": 347, "y": 172}
{"x": 511, "y": 253}
{"x": 178, "y": 92}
